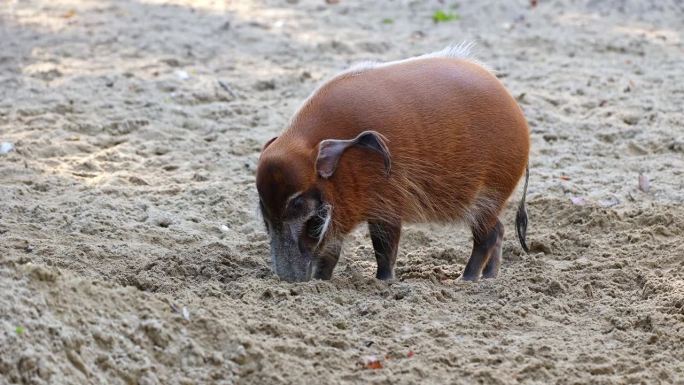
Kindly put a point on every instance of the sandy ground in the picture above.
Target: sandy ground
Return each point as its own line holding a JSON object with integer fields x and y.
{"x": 130, "y": 248}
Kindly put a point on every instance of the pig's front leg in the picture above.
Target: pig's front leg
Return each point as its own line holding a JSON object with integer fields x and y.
{"x": 385, "y": 237}
{"x": 326, "y": 260}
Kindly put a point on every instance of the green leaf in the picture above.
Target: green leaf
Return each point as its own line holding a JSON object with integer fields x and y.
{"x": 440, "y": 16}
{"x": 19, "y": 330}
{"x": 387, "y": 21}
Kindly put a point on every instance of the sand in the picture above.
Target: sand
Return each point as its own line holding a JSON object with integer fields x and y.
{"x": 131, "y": 251}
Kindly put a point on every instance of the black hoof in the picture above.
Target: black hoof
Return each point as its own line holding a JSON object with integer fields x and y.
{"x": 489, "y": 274}
{"x": 469, "y": 277}
{"x": 385, "y": 275}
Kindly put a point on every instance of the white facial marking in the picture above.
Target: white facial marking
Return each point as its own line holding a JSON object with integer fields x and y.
{"x": 293, "y": 196}
{"x": 326, "y": 224}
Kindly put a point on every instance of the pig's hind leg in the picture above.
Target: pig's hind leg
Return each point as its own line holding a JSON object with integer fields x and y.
{"x": 486, "y": 253}
{"x": 385, "y": 237}
{"x": 491, "y": 269}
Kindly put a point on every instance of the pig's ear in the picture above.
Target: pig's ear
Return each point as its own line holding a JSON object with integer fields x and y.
{"x": 268, "y": 143}
{"x": 330, "y": 151}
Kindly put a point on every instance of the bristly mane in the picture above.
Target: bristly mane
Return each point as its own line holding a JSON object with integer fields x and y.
{"x": 454, "y": 51}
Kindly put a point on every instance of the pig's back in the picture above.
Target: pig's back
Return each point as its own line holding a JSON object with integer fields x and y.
{"x": 454, "y": 132}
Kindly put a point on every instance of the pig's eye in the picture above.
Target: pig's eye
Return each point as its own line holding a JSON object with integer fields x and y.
{"x": 296, "y": 204}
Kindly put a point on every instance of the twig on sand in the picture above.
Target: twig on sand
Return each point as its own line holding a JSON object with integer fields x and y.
{"x": 227, "y": 88}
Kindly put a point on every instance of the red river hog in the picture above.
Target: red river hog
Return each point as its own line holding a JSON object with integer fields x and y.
{"x": 434, "y": 138}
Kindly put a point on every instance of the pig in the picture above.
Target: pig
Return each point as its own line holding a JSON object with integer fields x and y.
{"x": 434, "y": 138}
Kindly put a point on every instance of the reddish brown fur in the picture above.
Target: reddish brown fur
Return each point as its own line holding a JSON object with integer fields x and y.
{"x": 451, "y": 127}
{"x": 458, "y": 141}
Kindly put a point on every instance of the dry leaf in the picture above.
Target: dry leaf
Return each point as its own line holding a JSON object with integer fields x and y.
{"x": 371, "y": 362}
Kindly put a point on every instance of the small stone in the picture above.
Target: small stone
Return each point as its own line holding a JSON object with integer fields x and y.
{"x": 6, "y": 147}
{"x": 644, "y": 183}
{"x": 216, "y": 358}
{"x": 240, "y": 356}
{"x": 199, "y": 177}
{"x": 42, "y": 273}
{"x": 578, "y": 201}
{"x": 631, "y": 119}
{"x": 171, "y": 62}
{"x": 154, "y": 330}
{"x": 401, "y": 293}
{"x": 78, "y": 363}
{"x": 265, "y": 85}
{"x": 539, "y": 247}
{"x": 137, "y": 181}
{"x": 182, "y": 74}
{"x": 148, "y": 378}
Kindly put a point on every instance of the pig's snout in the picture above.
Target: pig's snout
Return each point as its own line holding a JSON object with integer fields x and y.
{"x": 291, "y": 262}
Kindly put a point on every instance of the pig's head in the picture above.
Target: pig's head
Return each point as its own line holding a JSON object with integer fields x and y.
{"x": 298, "y": 217}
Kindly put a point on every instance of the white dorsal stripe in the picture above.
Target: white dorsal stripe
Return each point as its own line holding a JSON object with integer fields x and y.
{"x": 455, "y": 51}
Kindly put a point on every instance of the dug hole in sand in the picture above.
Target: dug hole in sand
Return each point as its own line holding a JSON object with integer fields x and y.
{"x": 131, "y": 251}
